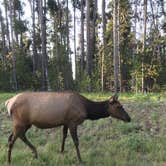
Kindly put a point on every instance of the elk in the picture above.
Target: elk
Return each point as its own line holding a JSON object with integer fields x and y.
{"x": 51, "y": 109}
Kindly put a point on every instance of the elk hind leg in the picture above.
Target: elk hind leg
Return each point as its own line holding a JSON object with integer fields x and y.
{"x": 17, "y": 130}
{"x": 11, "y": 140}
{"x": 27, "y": 142}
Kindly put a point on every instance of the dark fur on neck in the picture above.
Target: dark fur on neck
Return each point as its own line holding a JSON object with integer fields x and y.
{"x": 96, "y": 110}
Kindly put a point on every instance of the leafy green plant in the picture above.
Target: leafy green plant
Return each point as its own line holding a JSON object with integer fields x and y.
{"x": 137, "y": 143}
{"x": 126, "y": 128}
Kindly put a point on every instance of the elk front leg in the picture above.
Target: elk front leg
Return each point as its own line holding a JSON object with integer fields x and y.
{"x": 73, "y": 132}
{"x": 65, "y": 129}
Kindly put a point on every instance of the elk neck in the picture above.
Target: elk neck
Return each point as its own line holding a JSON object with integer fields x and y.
{"x": 96, "y": 110}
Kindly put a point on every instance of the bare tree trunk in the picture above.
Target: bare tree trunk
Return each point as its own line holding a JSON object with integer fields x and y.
{"x": 115, "y": 47}
{"x": 153, "y": 16}
{"x": 82, "y": 37}
{"x": 93, "y": 38}
{"x": 119, "y": 52}
{"x": 75, "y": 37}
{"x": 144, "y": 42}
{"x": 4, "y": 48}
{"x": 21, "y": 39}
{"x": 7, "y": 23}
{"x": 14, "y": 79}
{"x": 15, "y": 34}
{"x": 89, "y": 55}
{"x": 104, "y": 44}
{"x": 67, "y": 30}
{"x": 42, "y": 13}
{"x": 134, "y": 48}
{"x": 35, "y": 56}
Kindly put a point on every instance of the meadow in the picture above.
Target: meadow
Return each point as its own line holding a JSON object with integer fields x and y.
{"x": 105, "y": 142}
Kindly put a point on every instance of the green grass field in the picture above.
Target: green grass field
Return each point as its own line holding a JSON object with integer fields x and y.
{"x": 105, "y": 142}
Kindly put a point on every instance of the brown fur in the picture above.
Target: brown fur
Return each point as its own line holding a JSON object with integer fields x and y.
{"x": 48, "y": 110}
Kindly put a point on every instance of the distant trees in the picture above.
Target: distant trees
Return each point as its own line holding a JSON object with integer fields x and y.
{"x": 113, "y": 52}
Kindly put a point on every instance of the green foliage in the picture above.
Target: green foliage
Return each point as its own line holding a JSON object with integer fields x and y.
{"x": 20, "y": 26}
{"x": 52, "y": 6}
{"x": 127, "y": 128}
{"x": 136, "y": 143}
{"x": 4, "y": 77}
{"x": 84, "y": 83}
{"x": 17, "y": 5}
{"x": 23, "y": 69}
{"x": 36, "y": 81}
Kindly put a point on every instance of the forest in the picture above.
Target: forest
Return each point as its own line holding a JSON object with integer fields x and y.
{"x": 99, "y": 48}
{"x": 82, "y": 45}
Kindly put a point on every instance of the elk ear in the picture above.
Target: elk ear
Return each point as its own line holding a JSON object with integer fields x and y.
{"x": 113, "y": 98}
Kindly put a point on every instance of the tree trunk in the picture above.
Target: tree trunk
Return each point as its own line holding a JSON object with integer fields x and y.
{"x": 93, "y": 20}
{"x": 75, "y": 37}
{"x": 104, "y": 44}
{"x": 35, "y": 56}
{"x": 15, "y": 36}
{"x": 67, "y": 31}
{"x": 134, "y": 48}
{"x": 115, "y": 47}
{"x": 119, "y": 49}
{"x": 144, "y": 40}
{"x": 4, "y": 48}
{"x": 7, "y": 23}
{"x": 88, "y": 49}
{"x": 153, "y": 15}
{"x": 82, "y": 37}
{"x": 14, "y": 79}
{"x": 21, "y": 38}
{"x": 42, "y": 15}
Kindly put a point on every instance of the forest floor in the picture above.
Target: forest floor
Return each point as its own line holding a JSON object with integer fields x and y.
{"x": 105, "y": 142}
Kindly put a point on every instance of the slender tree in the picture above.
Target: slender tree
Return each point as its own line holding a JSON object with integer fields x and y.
{"x": 6, "y": 6}
{"x": 4, "y": 48}
{"x": 35, "y": 55}
{"x": 42, "y": 15}
{"x": 82, "y": 37}
{"x": 115, "y": 37}
{"x": 14, "y": 78}
{"x": 88, "y": 48}
{"x": 93, "y": 17}
{"x": 74, "y": 6}
{"x": 134, "y": 76}
{"x": 67, "y": 30}
{"x": 144, "y": 41}
{"x": 104, "y": 44}
{"x": 118, "y": 45}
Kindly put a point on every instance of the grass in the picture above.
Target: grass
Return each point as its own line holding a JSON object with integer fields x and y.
{"x": 107, "y": 142}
